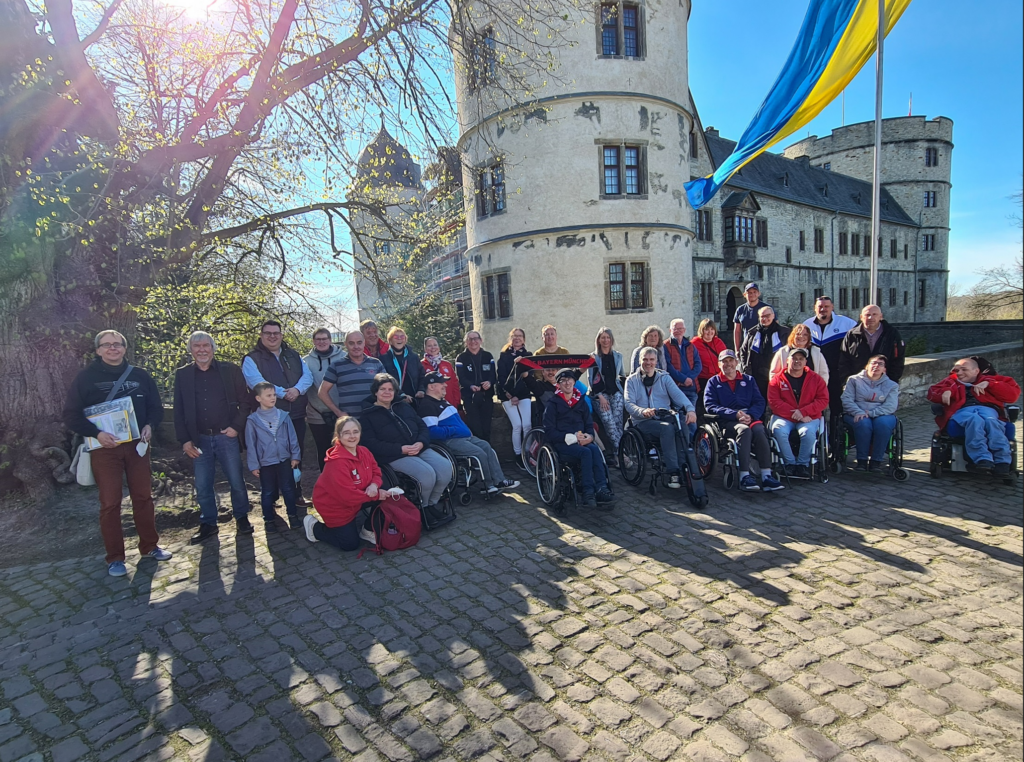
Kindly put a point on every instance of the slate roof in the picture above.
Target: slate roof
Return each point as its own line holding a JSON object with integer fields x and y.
{"x": 387, "y": 163}
{"x": 766, "y": 175}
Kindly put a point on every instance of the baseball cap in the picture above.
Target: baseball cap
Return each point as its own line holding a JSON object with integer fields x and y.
{"x": 434, "y": 378}
{"x": 726, "y": 353}
{"x": 800, "y": 350}
{"x": 565, "y": 372}
{"x": 749, "y": 286}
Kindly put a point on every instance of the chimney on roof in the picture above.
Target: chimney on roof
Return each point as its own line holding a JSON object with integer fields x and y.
{"x": 712, "y": 132}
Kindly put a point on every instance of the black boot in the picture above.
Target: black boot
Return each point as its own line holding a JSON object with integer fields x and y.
{"x": 242, "y": 526}
{"x": 206, "y": 531}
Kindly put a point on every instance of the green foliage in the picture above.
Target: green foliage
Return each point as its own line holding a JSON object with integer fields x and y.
{"x": 431, "y": 315}
{"x": 918, "y": 345}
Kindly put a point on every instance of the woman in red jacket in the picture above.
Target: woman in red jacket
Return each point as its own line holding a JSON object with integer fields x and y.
{"x": 350, "y": 479}
{"x": 709, "y": 346}
{"x": 433, "y": 363}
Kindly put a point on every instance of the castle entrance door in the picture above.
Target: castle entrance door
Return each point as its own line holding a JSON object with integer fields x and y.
{"x": 732, "y": 300}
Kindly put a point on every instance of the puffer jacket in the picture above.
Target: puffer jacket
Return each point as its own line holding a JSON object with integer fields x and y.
{"x": 864, "y": 396}
{"x": 385, "y": 431}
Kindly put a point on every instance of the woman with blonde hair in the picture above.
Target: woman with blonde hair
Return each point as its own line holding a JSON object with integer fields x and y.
{"x": 513, "y": 392}
{"x": 607, "y": 385}
{"x": 800, "y": 336}
{"x": 350, "y": 479}
{"x": 652, "y": 336}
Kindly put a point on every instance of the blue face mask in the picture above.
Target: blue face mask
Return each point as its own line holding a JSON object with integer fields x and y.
{"x": 297, "y": 474}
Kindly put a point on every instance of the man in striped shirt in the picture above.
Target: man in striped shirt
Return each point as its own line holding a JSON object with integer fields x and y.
{"x": 351, "y": 375}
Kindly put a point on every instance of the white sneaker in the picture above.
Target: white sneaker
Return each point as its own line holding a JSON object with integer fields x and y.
{"x": 368, "y": 535}
{"x": 507, "y": 485}
{"x": 160, "y": 554}
{"x": 673, "y": 482}
{"x": 308, "y": 522}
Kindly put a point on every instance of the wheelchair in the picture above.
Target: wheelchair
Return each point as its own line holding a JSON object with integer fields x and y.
{"x": 712, "y": 446}
{"x": 558, "y": 482}
{"x": 441, "y": 514}
{"x": 533, "y": 440}
{"x": 637, "y": 453}
{"x": 948, "y": 452}
{"x": 843, "y": 440}
{"x": 467, "y": 472}
{"x": 819, "y": 466}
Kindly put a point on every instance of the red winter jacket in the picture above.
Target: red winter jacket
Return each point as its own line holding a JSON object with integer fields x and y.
{"x": 1002, "y": 390}
{"x": 340, "y": 491}
{"x": 708, "y": 358}
{"x": 452, "y": 392}
{"x": 813, "y": 396}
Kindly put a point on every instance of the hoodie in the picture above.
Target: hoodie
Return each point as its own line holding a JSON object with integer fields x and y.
{"x": 268, "y": 444}
{"x": 862, "y": 396}
{"x": 318, "y": 364}
{"x": 340, "y": 490}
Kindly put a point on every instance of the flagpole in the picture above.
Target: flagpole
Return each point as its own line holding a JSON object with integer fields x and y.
{"x": 876, "y": 184}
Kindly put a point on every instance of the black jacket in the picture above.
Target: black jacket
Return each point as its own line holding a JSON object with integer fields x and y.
{"x": 856, "y": 351}
{"x": 92, "y": 386}
{"x": 286, "y": 373}
{"x": 412, "y": 377}
{"x": 185, "y": 400}
{"x": 756, "y": 356}
{"x": 512, "y": 387}
{"x": 473, "y": 370}
{"x": 385, "y": 431}
{"x": 560, "y": 419}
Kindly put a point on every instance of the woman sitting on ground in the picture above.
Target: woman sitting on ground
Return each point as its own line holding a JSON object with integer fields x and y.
{"x": 351, "y": 478}
{"x": 652, "y": 336}
{"x": 800, "y": 336}
{"x": 395, "y": 435}
{"x": 870, "y": 400}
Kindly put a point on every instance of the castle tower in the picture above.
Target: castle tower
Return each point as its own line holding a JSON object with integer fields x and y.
{"x": 576, "y": 213}
{"x": 388, "y": 177}
{"x": 916, "y": 165}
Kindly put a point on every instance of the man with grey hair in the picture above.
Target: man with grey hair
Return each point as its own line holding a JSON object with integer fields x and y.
{"x": 210, "y": 408}
{"x": 111, "y": 377}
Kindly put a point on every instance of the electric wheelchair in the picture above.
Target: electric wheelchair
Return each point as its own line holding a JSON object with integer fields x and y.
{"x": 949, "y": 454}
{"x": 842, "y": 442}
{"x": 440, "y": 514}
{"x": 638, "y": 453}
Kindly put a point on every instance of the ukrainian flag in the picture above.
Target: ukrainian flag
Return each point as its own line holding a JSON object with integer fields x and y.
{"x": 837, "y": 38}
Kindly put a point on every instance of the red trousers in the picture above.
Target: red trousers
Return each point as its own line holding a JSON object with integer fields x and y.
{"x": 109, "y": 467}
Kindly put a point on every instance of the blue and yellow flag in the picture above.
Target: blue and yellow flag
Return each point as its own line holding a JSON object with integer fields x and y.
{"x": 837, "y": 38}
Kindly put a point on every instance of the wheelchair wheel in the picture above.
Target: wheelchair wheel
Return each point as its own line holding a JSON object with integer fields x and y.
{"x": 935, "y": 469}
{"x": 465, "y": 498}
{"x": 532, "y": 443}
{"x": 705, "y": 445}
{"x": 822, "y": 465}
{"x": 728, "y": 477}
{"x": 442, "y": 450}
{"x": 549, "y": 475}
{"x": 632, "y": 457}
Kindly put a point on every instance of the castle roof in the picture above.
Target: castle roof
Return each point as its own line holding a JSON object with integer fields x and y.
{"x": 386, "y": 163}
{"x": 796, "y": 180}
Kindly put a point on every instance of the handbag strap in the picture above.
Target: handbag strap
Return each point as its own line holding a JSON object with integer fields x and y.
{"x": 117, "y": 384}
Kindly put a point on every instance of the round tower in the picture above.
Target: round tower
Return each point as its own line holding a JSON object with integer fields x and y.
{"x": 386, "y": 176}
{"x": 575, "y": 208}
{"x": 917, "y": 156}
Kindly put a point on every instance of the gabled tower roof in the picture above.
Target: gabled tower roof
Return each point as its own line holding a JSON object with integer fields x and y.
{"x": 386, "y": 163}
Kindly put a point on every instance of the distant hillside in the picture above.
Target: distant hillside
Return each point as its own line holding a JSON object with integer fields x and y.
{"x": 965, "y": 308}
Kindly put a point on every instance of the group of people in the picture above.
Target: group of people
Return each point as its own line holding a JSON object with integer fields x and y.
{"x": 375, "y": 401}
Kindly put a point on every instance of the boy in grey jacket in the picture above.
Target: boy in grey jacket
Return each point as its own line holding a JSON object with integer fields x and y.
{"x": 870, "y": 400}
{"x": 272, "y": 454}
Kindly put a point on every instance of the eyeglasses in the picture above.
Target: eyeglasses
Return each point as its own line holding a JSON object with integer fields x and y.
{"x": 322, "y": 338}
{"x": 271, "y": 334}
{"x": 110, "y": 345}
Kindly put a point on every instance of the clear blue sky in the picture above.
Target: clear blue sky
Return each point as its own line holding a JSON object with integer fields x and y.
{"x": 962, "y": 61}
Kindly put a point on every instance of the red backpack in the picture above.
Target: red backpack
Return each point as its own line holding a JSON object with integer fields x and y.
{"x": 396, "y": 524}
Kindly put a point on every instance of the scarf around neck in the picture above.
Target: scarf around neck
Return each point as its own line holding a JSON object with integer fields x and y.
{"x": 434, "y": 360}
{"x": 573, "y": 399}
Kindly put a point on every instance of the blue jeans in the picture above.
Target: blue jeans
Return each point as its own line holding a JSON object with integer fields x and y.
{"x": 808, "y": 436}
{"x": 592, "y": 476}
{"x": 276, "y": 479}
{"x": 224, "y": 450}
{"x": 871, "y": 435}
{"x": 984, "y": 434}
{"x": 345, "y": 537}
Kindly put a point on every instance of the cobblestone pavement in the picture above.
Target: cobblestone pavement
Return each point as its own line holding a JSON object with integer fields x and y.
{"x": 825, "y": 622}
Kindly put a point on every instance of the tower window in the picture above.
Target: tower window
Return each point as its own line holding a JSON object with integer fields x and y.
{"x": 931, "y": 157}
{"x": 622, "y": 171}
{"x": 627, "y": 286}
{"x": 693, "y": 145}
{"x": 906, "y": 251}
{"x": 921, "y": 294}
{"x": 789, "y": 255}
{"x": 703, "y": 224}
{"x": 483, "y": 60}
{"x": 929, "y": 199}
{"x": 928, "y": 242}
{"x": 497, "y": 296}
{"x": 491, "y": 190}
{"x": 620, "y": 30}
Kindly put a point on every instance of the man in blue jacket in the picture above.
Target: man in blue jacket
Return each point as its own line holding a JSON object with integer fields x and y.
{"x": 447, "y": 428}
{"x": 739, "y": 405}
{"x": 569, "y": 427}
